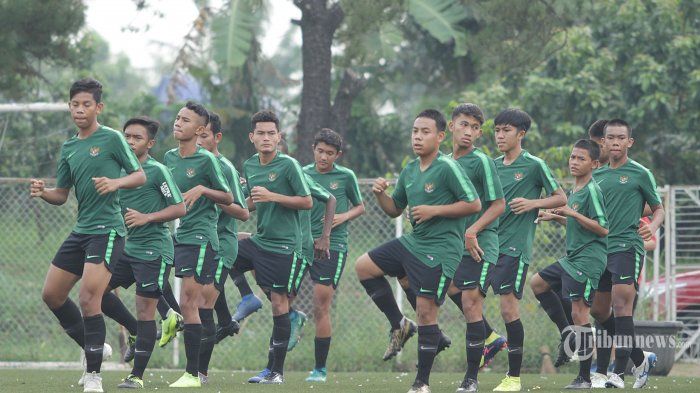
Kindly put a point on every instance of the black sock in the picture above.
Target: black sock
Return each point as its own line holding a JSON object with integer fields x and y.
{"x": 567, "y": 306}
{"x": 206, "y": 315}
{"x": 94, "y": 341}
{"x": 624, "y": 342}
{"x": 428, "y": 340}
{"x": 487, "y": 328}
{"x": 170, "y": 297}
{"x": 114, "y": 308}
{"x": 163, "y": 307}
{"x": 280, "y": 339}
{"x": 603, "y": 344}
{"x": 457, "y": 300}
{"x": 411, "y": 297}
{"x": 270, "y": 356}
{"x": 223, "y": 315}
{"x": 637, "y": 356}
{"x": 71, "y": 321}
{"x": 193, "y": 341}
{"x": 240, "y": 282}
{"x": 145, "y": 342}
{"x": 380, "y": 292}
{"x": 516, "y": 337}
{"x": 475, "y": 347}
{"x": 552, "y": 306}
{"x": 321, "y": 347}
{"x": 585, "y": 352}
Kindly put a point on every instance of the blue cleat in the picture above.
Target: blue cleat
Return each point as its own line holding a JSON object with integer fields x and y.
{"x": 495, "y": 343}
{"x": 248, "y": 305}
{"x": 261, "y": 375}
{"x": 297, "y": 320}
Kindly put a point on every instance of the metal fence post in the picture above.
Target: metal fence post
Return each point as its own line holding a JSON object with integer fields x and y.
{"x": 177, "y": 284}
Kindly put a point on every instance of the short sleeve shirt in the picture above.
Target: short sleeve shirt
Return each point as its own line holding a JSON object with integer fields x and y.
{"x": 526, "y": 177}
{"x": 227, "y": 227}
{"x": 440, "y": 240}
{"x": 103, "y": 154}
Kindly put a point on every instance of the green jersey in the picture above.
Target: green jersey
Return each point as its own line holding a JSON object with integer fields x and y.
{"x": 320, "y": 196}
{"x": 198, "y": 226}
{"x": 226, "y": 227}
{"x": 103, "y": 154}
{"x": 525, "y": 177}
{"x": 278, "y": 226}
{"x": 342, "y": 183}
{"x": 160, "y": 191}
{"x": 586, "y": 252}
{"x": 482, "y": 173}
{"x": 626, "y": 189}
{"x": 440, "y": 240}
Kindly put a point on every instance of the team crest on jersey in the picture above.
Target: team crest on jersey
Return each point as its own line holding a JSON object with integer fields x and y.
{"x": 519, "y": 176}
{"x": 429, "y": 187}
{"x": 575, "y": 206}
{"x": 272, "y": 176}
{"x": 334, "y": 185}
{"x": 190, "y": 172}
{"x": 94, "y": 151}
{"x": 624, "y": 179}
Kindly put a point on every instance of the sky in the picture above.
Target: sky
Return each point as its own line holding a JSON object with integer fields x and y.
{"x": 165, "y": 35}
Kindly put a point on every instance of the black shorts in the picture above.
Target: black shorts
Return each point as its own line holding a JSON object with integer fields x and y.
{"x": 623, "y": 267}
{"x": 396, "y": 261}
{"x": 198, "y": 260}
{"x": 471, "y": 274}
{"x": 274, "y": 272}
{"x": 561, "y": 281}
{"x": 220, "y": 275}
{"x": 509, "y": 276}
{"x": 149, "y": 276}
{"x": 328, "y": 271}
{"x": 79, "y": 249}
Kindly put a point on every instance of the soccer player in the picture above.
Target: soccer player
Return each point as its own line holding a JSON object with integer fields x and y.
{"x": 227, "y": 230}
{"x": 523, "y": 177}
{"x": 440, "y": 195}
{"x": 576, "y": 275}
{"x": 326, "y": 272}
{"x": 92, "y": 161}
{"x": 278, "y": 191}
{"x": 473, "y": 274}
{"x": 198, "y": 174}
{"x": 149, "y": 247}
{"x": 627, "y": 186}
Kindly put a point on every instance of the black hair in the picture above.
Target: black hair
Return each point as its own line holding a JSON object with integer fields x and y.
{"x": 597, "y": 129}
{"x": 515, "y": 117}
{"x": 215, "y": 122}
{"x": 87, "y": 85}
{"x": 329, "y": 137}
{"x": 265, "y": 117}
{"x": 589, "y": 145}
{"x": 199, "y": 109}
{"x": 149, "y": 124}
{"x": 434, "y": 114}
{"x": 619, "y": 123}
{"x": 468, "y": 109}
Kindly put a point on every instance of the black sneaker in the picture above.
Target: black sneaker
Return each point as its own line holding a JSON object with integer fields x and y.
{"x": 563, "y": 356}
{"x": 398, "y": 337}
{"x": 444, "y": 343}
{"x": 228, "y": 330}
{"x": 130, "y": 350}
{"x": 468, "y": 385}
{"x": 579, "y": 383}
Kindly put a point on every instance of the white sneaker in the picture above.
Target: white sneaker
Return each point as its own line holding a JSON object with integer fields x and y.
{"x": 93, "y": 383}
{"x": 598, "y": 380}
{"x": 106, "y": 354}
{"x": 203, "y": 378}
{"x": 641, "y": 373}
{"x": 614, "y": 381}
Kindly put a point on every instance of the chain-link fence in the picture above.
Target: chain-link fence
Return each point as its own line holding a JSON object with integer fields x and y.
{"x": 32, "y": 230}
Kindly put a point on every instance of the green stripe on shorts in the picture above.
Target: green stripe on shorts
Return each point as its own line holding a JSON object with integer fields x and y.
{"x": 636, "y": 265}
{"x": 219, "y": 269}
{"x": 441, "y": 286}
{"x": 484, "y": 270}
{"x": 291, "y": 273}
{"x": 587, "y": 292}
{"x": 304, "y": 262}
{"x": 518, "y": 279}
{"x": 161, "y": 274}
{"x": 339, "y": 268}
{"x": 110, "y": 246}
{"x": 200, "y": 258}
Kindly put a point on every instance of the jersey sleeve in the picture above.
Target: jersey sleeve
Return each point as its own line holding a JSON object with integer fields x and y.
{"x": 458, "y": 182}
{"x": 317, "y": 190}
{"x": 546, "y": 178}
{"x": 123, "y": 154}
{"x": 648, "y": 188}
{"x": 168, "y": 188}
{"x": 596, "y": 205}
{"x": 296, "y": 179}
{"x": 352, "y": 189}
{"x": 237, "y": 190}
{"x": 399, "y": 195}
{"x": 217, "y": 180}
{"x": 64, "y": 179}
{"x": 491, "y": 184}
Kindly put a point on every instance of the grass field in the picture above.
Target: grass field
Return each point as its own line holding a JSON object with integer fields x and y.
{"x": 21, "y": 380}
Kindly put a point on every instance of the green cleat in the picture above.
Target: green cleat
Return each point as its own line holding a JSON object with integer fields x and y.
{"x": 318, "y": 375}
{"x": 130, "y": 350}
{"x": 187, "y": 380}
{"x": 170, "y": 326}
{"x": 131, "y": 382}
{"x": 297, "y": 320}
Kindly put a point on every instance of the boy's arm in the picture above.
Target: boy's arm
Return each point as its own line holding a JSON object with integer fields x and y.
{"x": 522, "y": 205}
{"x": 54, "y": 196}
{"x": 105, "y": 185}
{"x": 322, "y": 244}
{"x": 454, "y": 210}
{"x": 587, "y": 223}
{"x": 386, "y": 203}
{"x": 351, "y": 214}
{"x": 134, "y": 218}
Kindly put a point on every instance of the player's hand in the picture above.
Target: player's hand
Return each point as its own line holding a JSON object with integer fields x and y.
{"x": 134, "y": 218}
{"x": 191, "y": 196}
{"x": 545, "y": 215}
{"x": 380, "y": 185}
{"x": 564, "y": 211}
{"x": 261, "y": 194}
{"x": 105, "y": 185}
{"x": 472, "y": 245}
{"x": 36, "y": 188}
{"x": 645, "y": 231}
{"x": 521, "y": 205}
{"x": 339, "y": 219}
{"x": 422, "y": 213}
{"x": 322, "y": 248}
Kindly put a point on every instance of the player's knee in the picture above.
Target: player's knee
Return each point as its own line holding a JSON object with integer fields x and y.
{"x": 538, "y": 285}
{"x": 579, "y": 313}
{"x": 52, "y": 300}
{"x": 89, "y": 300}
{"x": 362, "y": 267}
